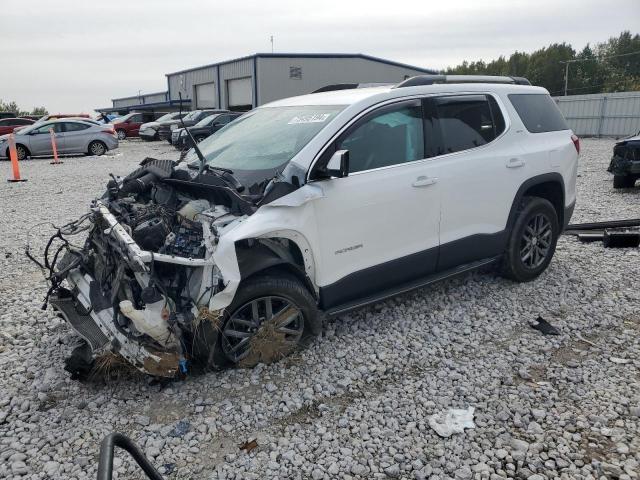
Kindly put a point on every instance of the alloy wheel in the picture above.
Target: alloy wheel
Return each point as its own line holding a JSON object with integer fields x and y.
{"x": 97, "y": 148}
{"x": 536, "y": 241}
{"x": 122, "y": 135}
{"x": 264, "y": 329}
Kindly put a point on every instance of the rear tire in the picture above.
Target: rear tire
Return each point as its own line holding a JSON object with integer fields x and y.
{"x": 97, "y": 148}
{"x": 121, "y": 134}
{"x": 533, "y": 240}
{"x": 295, "y": 324}
{"x": 623, "y": 181}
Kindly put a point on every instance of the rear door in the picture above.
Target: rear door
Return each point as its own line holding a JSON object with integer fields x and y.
{"x": 75, "y": 137}
{"x": 378, "y": 227}
{"x": 481, "y": 169}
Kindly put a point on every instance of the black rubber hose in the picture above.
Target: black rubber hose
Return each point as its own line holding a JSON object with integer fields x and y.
{"x": 115, "y": 439}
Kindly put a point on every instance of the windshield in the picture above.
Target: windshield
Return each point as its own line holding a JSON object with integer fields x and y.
{"x": 206, "y": 121}
{"x": 265, "y": 138}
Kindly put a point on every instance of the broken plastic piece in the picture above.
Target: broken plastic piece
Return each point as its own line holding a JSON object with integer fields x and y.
{"x": 452, "y": 421}
{"x": 545, "y": 327}
{"x": 249, "y": 445}
{"x": 621, "y": 239}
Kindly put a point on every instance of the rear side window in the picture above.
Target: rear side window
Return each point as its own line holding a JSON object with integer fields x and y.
{"x": 467, "y": 121}
{"x": 538, "y": 112}
{"x": 75, "y": 127}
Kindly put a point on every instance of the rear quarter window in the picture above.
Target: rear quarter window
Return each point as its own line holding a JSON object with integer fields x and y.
{"x": 538, "y": 112}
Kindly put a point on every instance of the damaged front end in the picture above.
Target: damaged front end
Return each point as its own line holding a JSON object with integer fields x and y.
{"x": 626, "y": 158}
{"x": 142, "y": 283}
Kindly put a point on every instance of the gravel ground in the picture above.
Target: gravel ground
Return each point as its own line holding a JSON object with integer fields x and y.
{"x": 357, "y": 403}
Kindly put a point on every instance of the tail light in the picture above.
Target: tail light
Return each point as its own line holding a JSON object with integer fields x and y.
{"x": 110, "y": 130}
{"x": 576, "y": 142}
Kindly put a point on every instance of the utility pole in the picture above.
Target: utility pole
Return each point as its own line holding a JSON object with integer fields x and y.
{"x": 271, "y": 38}
{"x": 566, "y": 72}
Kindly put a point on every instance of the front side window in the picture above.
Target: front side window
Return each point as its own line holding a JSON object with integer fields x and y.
{"x": 136, "y": 118}
{"x": 57, "y": 128}
{"x": 391, "y": 136}
{"x": 466, "y": 122}
{"x": 266, "y": 138}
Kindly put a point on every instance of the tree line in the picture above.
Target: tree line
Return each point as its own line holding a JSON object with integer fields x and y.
{"x": 611, "y": 66}
{"x": 13, "y": 107}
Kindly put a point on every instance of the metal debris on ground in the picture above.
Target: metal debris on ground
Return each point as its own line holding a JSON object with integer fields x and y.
{"x": 545, "y": 327}
{"x": 452, "y": 421}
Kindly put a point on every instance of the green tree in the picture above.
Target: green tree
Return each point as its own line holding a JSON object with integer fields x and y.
{"x": 609, "y": 66}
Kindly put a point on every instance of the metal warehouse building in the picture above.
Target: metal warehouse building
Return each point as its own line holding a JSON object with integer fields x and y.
{"x": 248, "y": 82}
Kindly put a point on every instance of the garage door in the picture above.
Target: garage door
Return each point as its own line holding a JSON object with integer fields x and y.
{"x": 206, "y": 95}
{"x": 240, "y": 93}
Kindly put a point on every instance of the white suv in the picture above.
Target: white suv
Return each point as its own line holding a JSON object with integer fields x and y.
{"x": 318, "y": 203}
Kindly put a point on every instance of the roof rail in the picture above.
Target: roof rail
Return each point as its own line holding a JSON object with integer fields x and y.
{"x": 349, "y": 86}
{"x": 432, "y": 79}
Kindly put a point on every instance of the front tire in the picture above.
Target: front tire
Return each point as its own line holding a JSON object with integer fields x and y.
{"x": 271, "y": 316}
{"x": 21, "y": 151}
{"x": 121, "y": 134}
{"x": 97, "y": 148}
{"x": 533, "y": 240}
{"x": 623, "y": 181}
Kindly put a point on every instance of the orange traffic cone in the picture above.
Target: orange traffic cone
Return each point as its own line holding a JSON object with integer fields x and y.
{"x": 55, "y": 160}
{"x": 13, "y": 155}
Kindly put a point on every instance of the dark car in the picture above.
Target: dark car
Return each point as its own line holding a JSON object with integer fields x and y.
{"x": 189, "y": 120}
{"x": 149, "y": 131}
{"x": 7, "y": 125}
{"x": 8, "y": 115}
{"x": 201, "y": 130}
{"x": 625, "y": 163}
{"x": 129, "y": 125}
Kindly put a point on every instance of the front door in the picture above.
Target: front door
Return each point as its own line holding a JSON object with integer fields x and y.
{"x": 378, "y": 227}
{"x": 40, "y": 139}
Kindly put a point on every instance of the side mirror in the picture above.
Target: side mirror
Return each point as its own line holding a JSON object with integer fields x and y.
{"x": 338, "y": 165}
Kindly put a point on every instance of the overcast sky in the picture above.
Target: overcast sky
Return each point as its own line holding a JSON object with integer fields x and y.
{"x": 73, "y": 55}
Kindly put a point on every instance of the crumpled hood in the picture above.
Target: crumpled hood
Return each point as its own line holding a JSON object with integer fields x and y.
{"x": 635, "y": 138}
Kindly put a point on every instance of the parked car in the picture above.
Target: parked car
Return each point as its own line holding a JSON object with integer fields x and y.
{"x": 319, "y": 203}
{"x": 149, "y": 131}
{"x": 189, "y": 120}
{"x": 201, "y": 130}
{"x": 72, "y": 136}
{"x": 57, "y": 116}
{"x": 625, "y": 163}
{"x": 7, "y": 125}
{"x": 129, "y": 125}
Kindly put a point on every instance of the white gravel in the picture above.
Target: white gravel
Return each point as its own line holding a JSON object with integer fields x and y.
{"x": 357, "y": 403}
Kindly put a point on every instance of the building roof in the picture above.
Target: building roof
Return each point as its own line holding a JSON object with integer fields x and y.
{"x": 307, "y": 55}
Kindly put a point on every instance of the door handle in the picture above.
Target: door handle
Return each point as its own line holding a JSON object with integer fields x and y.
{"x": 515, "y": 163}
{"x": 424, "y": 181}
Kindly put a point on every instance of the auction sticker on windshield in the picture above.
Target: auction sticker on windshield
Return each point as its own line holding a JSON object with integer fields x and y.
{"x": 312, "y": 118}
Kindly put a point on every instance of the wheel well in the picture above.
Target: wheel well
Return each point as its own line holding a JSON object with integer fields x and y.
{"x": 20, "y": 145}
{"x": 551, "y": 191}
{"x": 272, "y": 256}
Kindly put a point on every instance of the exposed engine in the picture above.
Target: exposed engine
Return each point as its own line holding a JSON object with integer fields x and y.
{"x": 145, "y": 274}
